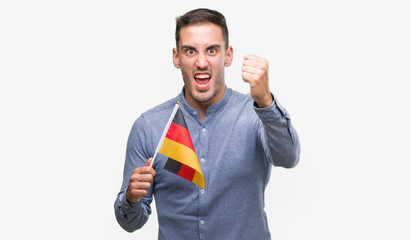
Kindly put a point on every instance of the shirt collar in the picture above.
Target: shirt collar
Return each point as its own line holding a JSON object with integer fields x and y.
{"x": 213, "y": 108}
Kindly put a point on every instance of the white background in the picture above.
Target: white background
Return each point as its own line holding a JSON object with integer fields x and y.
{"x": 76, "y": 74}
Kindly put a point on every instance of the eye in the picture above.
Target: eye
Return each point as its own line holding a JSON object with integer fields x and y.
{"x": 212, "y": 51}
{"x": 190, "y": 51}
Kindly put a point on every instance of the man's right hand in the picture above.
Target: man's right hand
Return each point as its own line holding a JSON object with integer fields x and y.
{"x": 140, "y": 182}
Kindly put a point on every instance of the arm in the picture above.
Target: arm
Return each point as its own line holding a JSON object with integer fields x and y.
{"x": 131, "y": 211}
{"x": 278, "y": 136}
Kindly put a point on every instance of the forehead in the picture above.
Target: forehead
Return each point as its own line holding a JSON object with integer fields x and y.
{"x": 201, "y": 34}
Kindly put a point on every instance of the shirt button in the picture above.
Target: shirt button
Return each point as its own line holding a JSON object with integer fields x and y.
{"x": 202, "y": 160}
{"x": 194, "y": 113}
{"x": 204, "y": 130}
{"x": 202, "y": 191}
{"x": 202, "y": 221}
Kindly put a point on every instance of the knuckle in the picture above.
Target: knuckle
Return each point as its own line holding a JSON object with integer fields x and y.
{"x": 133, "y": 178}
{"x": 141, "y": 192}
{"x": 149, "y": 178}
{"x": 244, "y": 75}
{"x": 133, "y": 192}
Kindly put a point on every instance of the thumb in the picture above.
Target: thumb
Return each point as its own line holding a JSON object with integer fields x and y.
{"x": 148, "y": 163}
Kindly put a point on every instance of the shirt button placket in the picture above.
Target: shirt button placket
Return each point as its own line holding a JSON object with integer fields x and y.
{"x": 203, "y": 154}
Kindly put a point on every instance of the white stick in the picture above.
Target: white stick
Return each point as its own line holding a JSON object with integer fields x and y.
{"x": 163, "y": 136}
{"x": 165, "y": 131}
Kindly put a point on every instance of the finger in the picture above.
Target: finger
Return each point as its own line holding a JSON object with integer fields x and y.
{"x": 252, "y": 63}
{"x": 148, "y": 177}
{"x": 260, "y": 65}
{"x": 250, "y": 56}
{"x": 252, "y": 70}
{"x": 253, "y": 57}
{"x": 142, "y": 170}
{"x": 248, "y": 77}
{"x": 148, "y": 163}
{"x": 136, "y": 194}
{"x": 143, "y": 176}
{"x": 140, "y": 185}
{"x": 146, "y": 169}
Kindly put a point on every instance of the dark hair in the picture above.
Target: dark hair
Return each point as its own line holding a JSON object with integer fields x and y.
{"x": 202, "y": 15}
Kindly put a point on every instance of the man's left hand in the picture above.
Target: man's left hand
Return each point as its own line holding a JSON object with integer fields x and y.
{"x": 255, "y": 72}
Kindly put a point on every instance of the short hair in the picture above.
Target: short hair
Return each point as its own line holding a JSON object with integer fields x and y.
{"x": 202, "y": 15}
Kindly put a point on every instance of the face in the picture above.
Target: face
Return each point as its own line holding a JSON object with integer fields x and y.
{"x": 201, "y": 56}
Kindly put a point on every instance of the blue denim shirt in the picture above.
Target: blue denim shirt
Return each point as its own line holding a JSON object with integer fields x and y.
{"x": 236, "y": 146}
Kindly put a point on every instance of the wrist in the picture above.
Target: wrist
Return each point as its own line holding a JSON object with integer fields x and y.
{"x": 130, "y": 198}
{"x": 264, "y": 102}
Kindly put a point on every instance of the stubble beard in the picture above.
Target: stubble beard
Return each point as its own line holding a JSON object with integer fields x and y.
{"x": 203, "y": 96}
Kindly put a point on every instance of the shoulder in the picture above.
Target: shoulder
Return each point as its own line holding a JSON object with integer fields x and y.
{"x": 241, "y": 99}
{"x": 240, "y": 105}
{"x": 160, "y": 109}
{"x": 156, "y": 114}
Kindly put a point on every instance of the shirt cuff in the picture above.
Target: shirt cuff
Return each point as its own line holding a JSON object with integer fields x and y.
{"x": 129, "y": 207}
{"x": 275, "y": 108}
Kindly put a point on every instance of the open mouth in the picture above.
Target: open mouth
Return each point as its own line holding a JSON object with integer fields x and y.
{"x": 202, "y": 80}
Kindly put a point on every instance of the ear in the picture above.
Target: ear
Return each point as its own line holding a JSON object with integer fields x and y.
{"x": 228, "y": 56}
{"x": 176, "y": 61}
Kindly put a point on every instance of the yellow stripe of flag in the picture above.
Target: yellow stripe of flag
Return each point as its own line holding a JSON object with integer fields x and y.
{"x": 199, "y": 179}
{"x": 182, "y": 154}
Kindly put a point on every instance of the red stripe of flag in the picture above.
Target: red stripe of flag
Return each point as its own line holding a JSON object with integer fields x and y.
{"x": 186, "y": 172}
{"x": 180, "y": 134}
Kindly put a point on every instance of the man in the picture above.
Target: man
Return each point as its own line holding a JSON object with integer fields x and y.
{"x": 237, "y": 138}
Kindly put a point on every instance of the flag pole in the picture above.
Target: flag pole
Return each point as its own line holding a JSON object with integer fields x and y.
{"x": 173, "y": 113}
{"x": 164, "y": 135}
{"x": 165, "y": 131}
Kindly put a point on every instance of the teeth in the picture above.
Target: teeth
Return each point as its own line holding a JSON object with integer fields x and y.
{"x": 202, "y": 76}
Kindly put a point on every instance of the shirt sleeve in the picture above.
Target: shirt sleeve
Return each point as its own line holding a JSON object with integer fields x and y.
{"x": 132, "y": 216}
{"x": 278, "y": 136}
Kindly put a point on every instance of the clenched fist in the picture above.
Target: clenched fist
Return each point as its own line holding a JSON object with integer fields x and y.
{"x": 255, "y": 72}
{"x": 140, "y": 182}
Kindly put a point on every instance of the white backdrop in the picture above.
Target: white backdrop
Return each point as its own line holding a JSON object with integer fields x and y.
{"x": 76, "y": 74}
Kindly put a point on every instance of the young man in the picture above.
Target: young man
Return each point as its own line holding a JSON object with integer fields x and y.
{"x": 237, "y": 139}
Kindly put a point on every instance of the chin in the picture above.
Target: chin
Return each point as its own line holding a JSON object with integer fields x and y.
{"x": 202, "y": 97}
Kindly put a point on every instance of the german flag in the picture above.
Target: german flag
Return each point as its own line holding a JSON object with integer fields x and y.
{"x": 178, "y": 147}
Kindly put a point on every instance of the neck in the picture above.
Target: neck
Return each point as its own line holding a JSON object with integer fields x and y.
{"x": 203, "y": 106}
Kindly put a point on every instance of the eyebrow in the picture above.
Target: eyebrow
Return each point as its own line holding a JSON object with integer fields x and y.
{"x": 209, "y": 47}
{"x": 187, "y": 47}
{"x": 214, "y": 46}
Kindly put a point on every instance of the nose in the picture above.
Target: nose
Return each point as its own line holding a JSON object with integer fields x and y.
{"x": 201, "y": 61}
